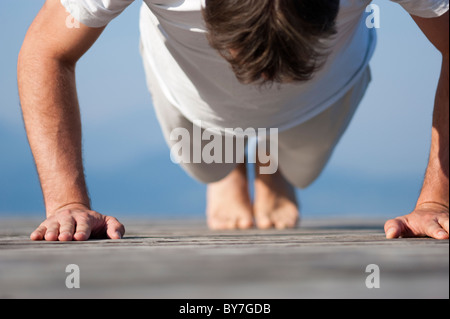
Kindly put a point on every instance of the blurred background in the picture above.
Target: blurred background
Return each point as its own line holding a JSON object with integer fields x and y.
{"x": 376, "y": 171}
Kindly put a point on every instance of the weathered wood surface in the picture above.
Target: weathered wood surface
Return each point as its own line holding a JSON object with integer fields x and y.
{"x": 183, "y": 259}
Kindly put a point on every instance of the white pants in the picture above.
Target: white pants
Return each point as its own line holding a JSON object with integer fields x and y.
{"x": 303, "y": 151}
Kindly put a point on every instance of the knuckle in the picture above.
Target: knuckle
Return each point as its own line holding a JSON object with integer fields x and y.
{"x": 43, "y": 224}
{"x": 83, "y": 217}
{"x": 114, "y": 220}
{"x": 65, "y": 212}
{"x": 39, "y": 230}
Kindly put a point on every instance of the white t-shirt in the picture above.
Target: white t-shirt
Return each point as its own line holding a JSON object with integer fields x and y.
{"x": 201, "y": 84}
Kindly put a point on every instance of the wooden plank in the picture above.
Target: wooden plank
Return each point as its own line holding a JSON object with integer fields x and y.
{"x": 183, "y": 259}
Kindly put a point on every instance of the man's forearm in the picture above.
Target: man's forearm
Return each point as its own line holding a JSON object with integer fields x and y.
{"x": 436, "y": 184}
{"x": 52, "y": 119}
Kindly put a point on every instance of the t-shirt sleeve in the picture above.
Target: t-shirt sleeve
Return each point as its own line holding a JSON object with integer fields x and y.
{"x": 424, "y": 8}
{"x": 95, "y": 13}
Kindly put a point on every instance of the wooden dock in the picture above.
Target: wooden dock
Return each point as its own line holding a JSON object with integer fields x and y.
{"x": 184, "y": 260}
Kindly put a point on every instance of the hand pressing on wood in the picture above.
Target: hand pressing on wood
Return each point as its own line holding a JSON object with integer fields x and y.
{"x": 428, "y": 219}
{"x": 78, "y": 222}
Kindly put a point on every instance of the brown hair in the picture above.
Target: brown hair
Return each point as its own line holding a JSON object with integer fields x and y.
{"x": 268, "y": 41}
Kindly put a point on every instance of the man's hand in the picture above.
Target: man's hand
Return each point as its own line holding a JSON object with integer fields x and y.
{"x": 77, "y": 222}
{"x": 428, "y": 219}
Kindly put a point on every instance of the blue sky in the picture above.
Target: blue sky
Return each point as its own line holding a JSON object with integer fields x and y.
{"x": 377, "y": 169}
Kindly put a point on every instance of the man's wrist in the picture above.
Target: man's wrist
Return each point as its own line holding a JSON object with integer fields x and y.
{"x": 435, "y": 190}
{"x": 63, "y": 193}
{"x": 69, "y": 205}
{"x": 432, "y": 204}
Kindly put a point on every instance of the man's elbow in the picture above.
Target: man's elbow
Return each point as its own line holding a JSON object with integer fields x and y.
{"x": 35, "y": 59}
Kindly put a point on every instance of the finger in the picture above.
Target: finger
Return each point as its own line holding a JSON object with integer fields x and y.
{"x": 394, "y": 228}
{"x": 38, "y": 233}
{"x": 435, "y": 230}
{"x": 444, "y": 223}
{"x": 52, "y": 231}
{"x": 114, "y": 229}
{"x": 66, "y": 229}
{"x": 83, "y": 231}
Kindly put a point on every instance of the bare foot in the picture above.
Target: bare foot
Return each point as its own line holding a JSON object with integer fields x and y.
{"x": 275, "y": 202}
{"x": 228, "y": 202}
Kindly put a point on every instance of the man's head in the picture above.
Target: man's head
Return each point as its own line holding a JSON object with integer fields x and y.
{"x": 268, "y": 41}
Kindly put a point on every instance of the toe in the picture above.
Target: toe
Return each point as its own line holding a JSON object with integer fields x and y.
{"x": 215, "y": 224}
{"x": 245, "y": 223}
{"x": 264, "y": 222}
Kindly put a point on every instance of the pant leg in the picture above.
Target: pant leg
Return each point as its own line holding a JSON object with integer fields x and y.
{"x": 172, "y": 120}
{"x": 305, "y": 150}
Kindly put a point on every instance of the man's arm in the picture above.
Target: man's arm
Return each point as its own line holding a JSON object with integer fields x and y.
{"x": 431, "y": 215}
{"x": 47, "y": 90}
